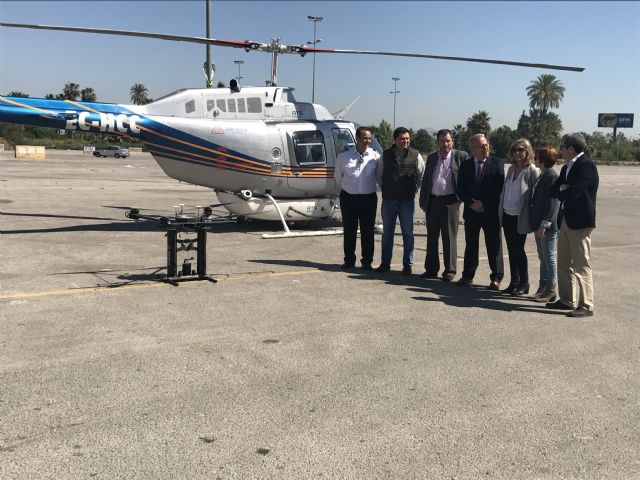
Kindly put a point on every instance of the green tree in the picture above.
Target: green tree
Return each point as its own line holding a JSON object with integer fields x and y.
{"x": 139, "y": 94}
{"x": 540, "y": 128}
{"x": 17, "y": 94}
{"x": 545, "y": 92}
{"x": 501, "y": 138}
{"x": 479, "y": 123}
{"x": 384, "y": 134}
{"x": 460, "y": 137}
{"x": 88, "y": 95}
{"x": 71, "y": 91}
{"x": 423, "y": 141}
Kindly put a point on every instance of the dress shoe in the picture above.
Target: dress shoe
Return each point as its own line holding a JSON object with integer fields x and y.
{"x": 546, "y": 297}
{"x": 463, "y": 282}
{"x": 542, "y": 287}
{"x": 494, "y": 285}
{"x": 406, "y": 271}
{"x": 384, "y": 267}
{"x": 429, "y": 275}
{"x": 367, "y": 267}
{"x": 447, "y": 277}
{"x": 522, "y": 289}
{"x": 581, "y": 312}
{"x": 347, "y": 266}
{"x": 510, "y": 289}
{"x": 558, "y": 305}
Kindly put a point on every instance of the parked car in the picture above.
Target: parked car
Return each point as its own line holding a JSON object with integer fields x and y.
{"x": 111, "y": 151}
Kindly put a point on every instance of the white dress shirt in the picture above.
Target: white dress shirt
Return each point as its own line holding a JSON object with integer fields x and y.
{"x": 355, "y": 172}
{"x": 572, "y": 161}
{"x": 442, "y": 176}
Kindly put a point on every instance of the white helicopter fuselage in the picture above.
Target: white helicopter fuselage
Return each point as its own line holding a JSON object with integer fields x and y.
{"x": 254, "y": 142}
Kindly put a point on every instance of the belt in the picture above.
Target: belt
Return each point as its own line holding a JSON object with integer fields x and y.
{"x": 443, "y": 196}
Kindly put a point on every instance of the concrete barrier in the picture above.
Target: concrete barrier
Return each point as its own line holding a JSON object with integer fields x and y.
{"x": 30, "y": 151}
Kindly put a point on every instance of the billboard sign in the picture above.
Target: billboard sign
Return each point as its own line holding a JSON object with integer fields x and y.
{"x": 615, "y": 120}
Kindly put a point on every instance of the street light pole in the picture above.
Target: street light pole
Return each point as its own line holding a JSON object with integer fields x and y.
{"x": 315, "y": 20}
{"x": 395, "y": 92}
{"x": 238, "y": 62}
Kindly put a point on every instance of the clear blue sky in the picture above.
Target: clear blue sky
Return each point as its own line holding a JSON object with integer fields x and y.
{"x": 604, "y": 37}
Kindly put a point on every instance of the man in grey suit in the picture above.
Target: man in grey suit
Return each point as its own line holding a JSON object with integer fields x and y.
{"x": 439, "y": 201}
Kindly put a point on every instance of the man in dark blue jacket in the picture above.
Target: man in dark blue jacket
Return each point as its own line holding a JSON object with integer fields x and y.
{"x": 576, "y": 188}
{"x": 480, "y": 182}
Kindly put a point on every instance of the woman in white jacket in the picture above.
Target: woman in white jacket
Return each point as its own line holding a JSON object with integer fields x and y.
{"x": 514, "y": 212}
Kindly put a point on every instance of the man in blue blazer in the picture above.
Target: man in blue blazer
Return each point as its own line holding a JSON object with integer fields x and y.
{"x": 480, "y": 183}
{"x": 576, "y": 188}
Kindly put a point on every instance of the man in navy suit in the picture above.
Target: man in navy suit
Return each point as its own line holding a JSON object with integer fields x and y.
{"x": 576, "y": 188}
{"x": 480, "y": 183}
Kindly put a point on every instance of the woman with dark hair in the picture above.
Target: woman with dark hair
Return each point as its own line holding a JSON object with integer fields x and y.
{"x": 514, "y": 213}
{"x": 543, "y": 215}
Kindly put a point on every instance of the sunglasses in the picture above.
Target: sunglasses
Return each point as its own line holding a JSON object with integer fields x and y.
{"x": 518, "y": 149}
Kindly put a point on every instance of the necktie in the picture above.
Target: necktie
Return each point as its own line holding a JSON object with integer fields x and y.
{"x": 480, "y": 166}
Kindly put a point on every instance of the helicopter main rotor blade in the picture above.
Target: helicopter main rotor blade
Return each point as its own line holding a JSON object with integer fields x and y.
{"x": 304, "y": 50}
{"x": 129, "y": 33}
{"x": 276, "y": 46}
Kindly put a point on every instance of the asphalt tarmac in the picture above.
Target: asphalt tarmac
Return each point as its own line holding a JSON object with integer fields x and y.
{"x": 288, "y": 367}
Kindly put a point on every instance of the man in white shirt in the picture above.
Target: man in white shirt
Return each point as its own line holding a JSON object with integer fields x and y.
{"x": 355, "y": 174}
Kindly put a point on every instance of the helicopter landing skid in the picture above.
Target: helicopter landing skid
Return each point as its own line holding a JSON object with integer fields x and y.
{"x": 288, "y": 233}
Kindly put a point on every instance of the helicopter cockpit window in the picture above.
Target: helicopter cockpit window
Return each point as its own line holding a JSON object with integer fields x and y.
{"x": 241, "y": 108}
{"x": 231, "y": 103}
{"x": 190, "y": 106}
{"x": 254, "y": 105}
{"x": 309, "y": 147}
{"x": 222, "y": 104}
{"x": 343, "y": 140}
{"x": 287, "y": 96}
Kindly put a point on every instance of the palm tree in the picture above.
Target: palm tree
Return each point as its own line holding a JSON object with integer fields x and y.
{"x": 17, "y": 94}
{"x": 88, "y": 95}
{"x": 545, "y": 92}
{"x": 71, "y": 91}
{"x": 138, "y": 94}
{"x": 479, "y": 123}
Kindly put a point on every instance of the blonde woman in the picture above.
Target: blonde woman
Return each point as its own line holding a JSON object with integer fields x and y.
{"x": 514, "y": 212}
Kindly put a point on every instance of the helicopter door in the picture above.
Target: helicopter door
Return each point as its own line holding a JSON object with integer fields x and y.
{"x": 311, "y": 158}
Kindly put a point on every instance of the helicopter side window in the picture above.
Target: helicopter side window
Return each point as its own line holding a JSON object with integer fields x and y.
{"x": 222, "y": 105}
{"x": 190, "y": 106}
{"x": 231, "y": 103}
{"x": 254, "y": 105}
{"x": 343, "y": 140}
{"x": 211, "y": 104}
{"x": 241, "y": 108}
{"x": 309, "y": 147}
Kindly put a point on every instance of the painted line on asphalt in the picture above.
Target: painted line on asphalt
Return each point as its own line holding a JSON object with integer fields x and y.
{"x": 220, "y": 278}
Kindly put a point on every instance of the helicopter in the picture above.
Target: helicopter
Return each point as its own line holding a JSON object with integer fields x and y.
{"x": 266, "y": 155}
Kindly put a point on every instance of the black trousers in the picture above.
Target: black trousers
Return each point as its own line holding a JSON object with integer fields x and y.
{"x": 442, "y": 220}
{"x": 358, "y": 209}
{"x": 489, "y": 223}
{"x": 518, "y": 264}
